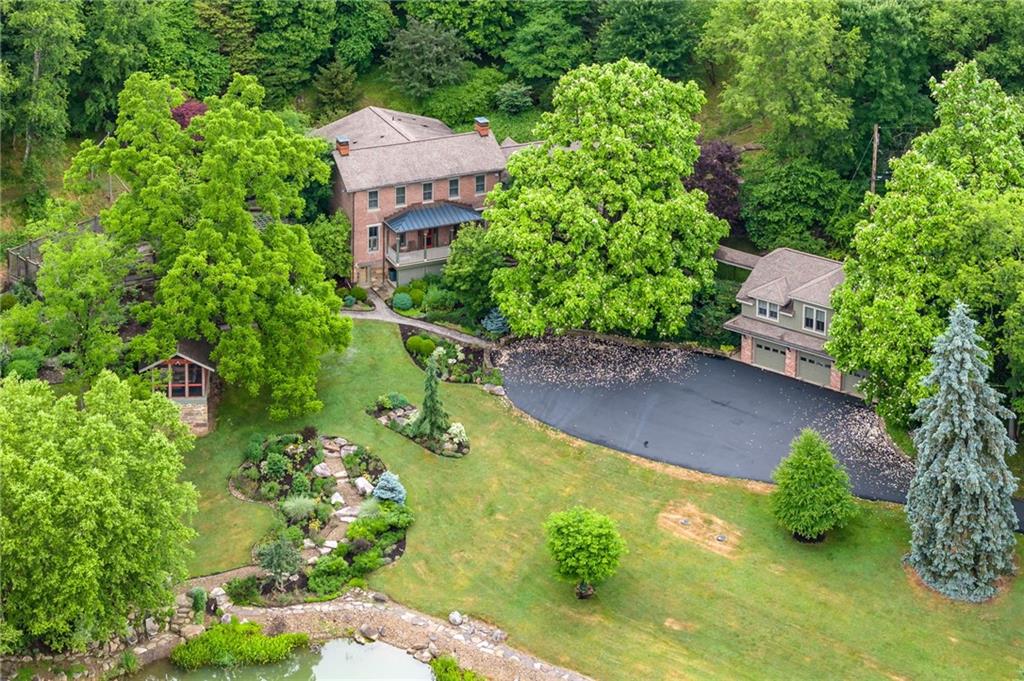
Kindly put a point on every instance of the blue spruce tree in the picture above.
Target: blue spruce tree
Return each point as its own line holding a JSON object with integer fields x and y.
{"x": 961, "y": 518}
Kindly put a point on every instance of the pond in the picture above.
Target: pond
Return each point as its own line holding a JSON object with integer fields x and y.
{"x": 336, "y": 660}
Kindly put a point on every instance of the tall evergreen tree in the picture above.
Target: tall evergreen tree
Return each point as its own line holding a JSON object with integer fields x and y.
{"x": 959, "y": 508}
{"x": 432, "y": 422}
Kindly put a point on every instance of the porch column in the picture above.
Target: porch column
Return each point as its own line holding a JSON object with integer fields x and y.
{"x": 835, "y": 378}
{"x": 746, "y": 349}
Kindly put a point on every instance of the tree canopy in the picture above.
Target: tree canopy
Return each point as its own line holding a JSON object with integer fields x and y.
{"x": 949, "y": 227}
{"x": 787, "y": 61}
{"x": 93, "y": 527}
{"x": 600, "y": 228}
{"x": 586, "y": 546}
{"x": 257, "y": 294}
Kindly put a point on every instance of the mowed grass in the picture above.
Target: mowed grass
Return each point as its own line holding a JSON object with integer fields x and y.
{"x": 775, "y": 609}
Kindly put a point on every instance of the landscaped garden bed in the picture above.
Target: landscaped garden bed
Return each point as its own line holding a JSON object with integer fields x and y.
{"x": 459, "y": 364}
{"x": 355, "y": 298}
{"x": 341, "y": 515}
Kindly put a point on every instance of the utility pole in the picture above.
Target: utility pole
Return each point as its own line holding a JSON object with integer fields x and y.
{"x": 875, "y": 155}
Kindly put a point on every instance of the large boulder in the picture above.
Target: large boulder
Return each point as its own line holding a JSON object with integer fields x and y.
{"x": 190, "y": 631}
{"x": 455, "y": 617}
{"x": 322, "y": 470}
{"x": 336, "y": 498}
{"x": 364, "y": 486}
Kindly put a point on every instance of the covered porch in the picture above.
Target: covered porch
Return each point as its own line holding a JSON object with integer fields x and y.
{"x": 417, "y": 241}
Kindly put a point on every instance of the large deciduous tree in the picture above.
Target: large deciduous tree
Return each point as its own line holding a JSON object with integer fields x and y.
{"x": 118, "y": 37}
{"x": 546, "y": 45}
{"x": 82, "y": 281}
{"x": 41, "y": 47}
{"x": 93, "y": 528}
{"x": 661, "y": 33}
{"x": 786, "y": 61}
{"x": 600, "y": 228}
{"x": 716, "y": 173}
{"x": 486, "y": 24}
{"x": 950, "y": 227}
{"x": 361, "y": 26}
{"x": 961, "y": 517}
{"x": 469, "y": 268}
{"x": 990, "y": 32}
{"x": 257, "y": 294}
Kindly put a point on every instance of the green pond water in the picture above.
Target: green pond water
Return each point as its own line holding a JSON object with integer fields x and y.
{"x": 335, "y": 661}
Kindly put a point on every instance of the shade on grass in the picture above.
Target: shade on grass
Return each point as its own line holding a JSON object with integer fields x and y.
{"x": 774, "y": 608}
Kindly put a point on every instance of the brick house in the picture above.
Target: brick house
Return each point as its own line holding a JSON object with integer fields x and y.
{"x": 785, "y": 316}
{"x": 406, "y": 183}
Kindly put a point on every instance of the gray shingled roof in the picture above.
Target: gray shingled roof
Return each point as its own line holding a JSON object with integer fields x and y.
{"x": 388, "y": 148}
{"x": 374, "y": 126}
{"x": 786, "y": 274}
{"x": 431, "y": 215}
{"x": 419, "y": 161}
{"x": 780, "y": 334}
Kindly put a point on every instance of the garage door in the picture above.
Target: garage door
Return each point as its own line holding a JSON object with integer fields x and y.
{"x": 813, "y": 369}
{"x": 769, "y": 356}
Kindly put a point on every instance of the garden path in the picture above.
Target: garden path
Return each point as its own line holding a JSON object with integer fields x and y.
{"x": 381, "y": 312}
{"x": 476, "y": 645}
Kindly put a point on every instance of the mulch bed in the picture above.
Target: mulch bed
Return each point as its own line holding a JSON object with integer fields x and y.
{"x": 474, "y": 355}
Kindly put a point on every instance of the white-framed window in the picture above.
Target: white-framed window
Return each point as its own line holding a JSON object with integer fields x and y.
{"x": 453, "y": 188}
{"x": 372, "y": 199}
{"x": 428, "y": 192}
{"x": 815, "y": 319}
{"x": 400, "y": 196}
{"x": 373, "y": 238}
{"x": 479, "y": 184}
{"x": 767, "y": 310}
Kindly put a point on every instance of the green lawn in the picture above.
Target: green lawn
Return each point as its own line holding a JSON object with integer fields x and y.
{"x": 775, "y": 609}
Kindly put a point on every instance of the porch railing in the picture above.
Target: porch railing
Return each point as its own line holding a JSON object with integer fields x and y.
{"x": 417, "y": 255}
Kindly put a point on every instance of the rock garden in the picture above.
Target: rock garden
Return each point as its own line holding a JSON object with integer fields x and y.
{"x": 341, "y": 515}
{"x": 430, "y": 427}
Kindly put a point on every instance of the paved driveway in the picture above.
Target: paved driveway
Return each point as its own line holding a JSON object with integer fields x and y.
{"x": 707, "y": 413}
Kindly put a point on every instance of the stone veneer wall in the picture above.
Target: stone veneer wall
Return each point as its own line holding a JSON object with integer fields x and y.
{"x": 196, "y": 416}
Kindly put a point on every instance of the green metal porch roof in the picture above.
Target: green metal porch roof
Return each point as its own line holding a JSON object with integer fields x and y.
{"x": 430, "y": 215}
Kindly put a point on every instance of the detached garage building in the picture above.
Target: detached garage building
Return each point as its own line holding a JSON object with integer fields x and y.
{"x": 785, "y": 316}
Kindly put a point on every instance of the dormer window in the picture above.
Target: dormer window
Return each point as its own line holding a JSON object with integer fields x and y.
{"x": 815, "y": 319}
{"x": 767, "y": 310}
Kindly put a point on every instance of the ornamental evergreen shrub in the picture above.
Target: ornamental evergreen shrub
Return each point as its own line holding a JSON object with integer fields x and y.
{"x": 813, "y": 494}
{"x": 586, "y": 546}
{"x": 7, "y": 301}
{"x": 329, "y": 574}
{"x": 254, "y": 450}
{"x": 404, "y": 288}
{"x": 359, "y": 293}
{"x": 244, "y": 590}
{"x": 959, "y": 506}
{"x": 389, "y": 488}
{"x": 270, "y": 490}
{"x": 401, "y": 301}
{"x": 198, "y": 596}
{"x": 416, "y": 295}
{"x": 432, "y": 422}
{"x": 349, "y": 301}
{"x": 417, "y": 285}
{"x": 495, "y": 323}
{"x": 438, "y": 299}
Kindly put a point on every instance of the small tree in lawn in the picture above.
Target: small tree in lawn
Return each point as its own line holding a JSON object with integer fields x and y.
{"x": 280, "y": 559}
{"x": 959, "y": 508}
{"x": 432, "y": 422}
{"x": 586, "y": 545}
{"x": 813, "y": 494}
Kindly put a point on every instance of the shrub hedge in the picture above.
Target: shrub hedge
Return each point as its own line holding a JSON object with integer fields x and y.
{"x": 233, "y": 644}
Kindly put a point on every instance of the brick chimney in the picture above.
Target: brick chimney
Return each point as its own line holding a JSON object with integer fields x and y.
{"x": 341, "y": 144}
{"x": 482, "y": 126}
